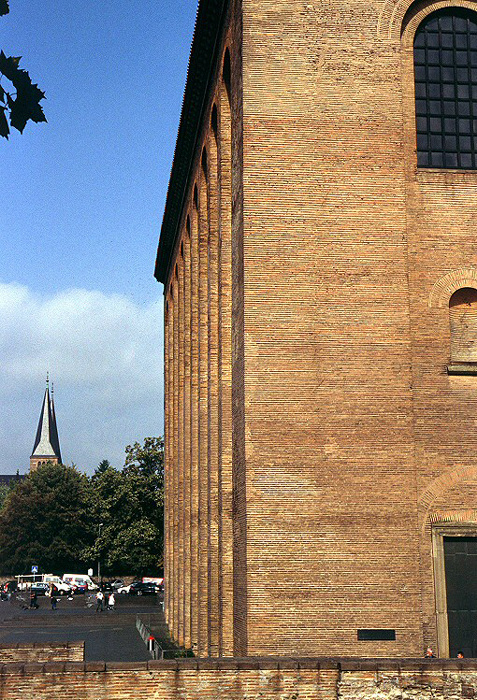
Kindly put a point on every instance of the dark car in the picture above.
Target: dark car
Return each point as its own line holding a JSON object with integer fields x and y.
{"x": 140, "y": 588}
{"x": 106, "y": 586}
{"x": 79, "y": 588}
{"x": 39, "y": 588}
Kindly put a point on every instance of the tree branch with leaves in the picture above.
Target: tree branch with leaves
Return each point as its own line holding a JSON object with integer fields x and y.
{"x": 20, "y": 103}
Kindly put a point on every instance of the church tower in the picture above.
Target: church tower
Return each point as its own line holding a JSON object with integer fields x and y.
{"x": 47, "y": 444}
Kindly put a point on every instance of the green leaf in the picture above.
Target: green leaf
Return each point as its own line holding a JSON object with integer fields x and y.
{"x": 9, "y": 65}
{"x": 4, "y": 9}
{"x": 4, "y": 128}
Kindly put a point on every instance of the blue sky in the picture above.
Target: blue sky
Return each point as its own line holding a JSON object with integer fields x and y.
{"x": 82, "y": 205}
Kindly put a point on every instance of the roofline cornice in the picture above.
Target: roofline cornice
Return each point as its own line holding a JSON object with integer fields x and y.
{"x": 203, "y": 57}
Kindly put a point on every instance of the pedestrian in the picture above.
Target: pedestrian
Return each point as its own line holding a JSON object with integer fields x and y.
{"x": 429, "y": 653}
{"x": 460, "y": 654}
{"x": 99, "y": 601}
{"x": 111, "y": 601}
{"x": 53, "y": 600}
{"x": 34, "y": 600}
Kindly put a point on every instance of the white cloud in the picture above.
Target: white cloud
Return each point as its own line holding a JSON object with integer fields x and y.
{"x": 104, "y": 355}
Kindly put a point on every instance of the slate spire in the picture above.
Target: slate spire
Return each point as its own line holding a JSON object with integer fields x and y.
{"x": 47, "y": 445}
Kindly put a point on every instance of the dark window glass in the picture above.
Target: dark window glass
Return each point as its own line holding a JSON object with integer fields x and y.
{"x": 420, "y": 90}
{"x": 448, "y": 74}
{"x": 422, "y": 123}
{"x": 447, "y": 58}
{"x": 445, "y": 40}
{"x": 450, "y": 126}
{"x": 445, "y": 66}
{"x": 451, "y": 160}
{"x": 448, "y": 91}
{"x": 451, "y": 144}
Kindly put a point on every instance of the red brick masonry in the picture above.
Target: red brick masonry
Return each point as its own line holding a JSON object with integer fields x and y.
{"x": 239, "y": 679}
{"x": 41, "y": 652}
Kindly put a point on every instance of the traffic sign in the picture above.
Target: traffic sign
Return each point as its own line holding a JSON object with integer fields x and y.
{"x": 34, "y": 569}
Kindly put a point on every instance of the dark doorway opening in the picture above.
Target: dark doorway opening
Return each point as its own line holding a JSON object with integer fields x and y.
{"x": 460, "y": 559}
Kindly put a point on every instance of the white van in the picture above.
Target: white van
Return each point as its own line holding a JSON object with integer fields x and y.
{"x": 80, "y": 580}
{"x": 62, "y": 587}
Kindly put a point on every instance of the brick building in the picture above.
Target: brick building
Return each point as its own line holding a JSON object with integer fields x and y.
{"x": 319, "y": 258}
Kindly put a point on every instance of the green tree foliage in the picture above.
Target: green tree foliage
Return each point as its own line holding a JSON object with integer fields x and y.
{"x": 4, "y": 491}
{"x": 130, "y": 506}
{"x": 20, "y": 103}
{"x": 46, "y": 520}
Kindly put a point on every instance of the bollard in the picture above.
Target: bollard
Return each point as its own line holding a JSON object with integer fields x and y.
{"x": 150, "y": 644}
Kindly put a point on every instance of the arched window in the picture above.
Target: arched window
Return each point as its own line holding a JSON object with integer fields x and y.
{"x": 445, "y": 70}
{"x": 463, "y": 325}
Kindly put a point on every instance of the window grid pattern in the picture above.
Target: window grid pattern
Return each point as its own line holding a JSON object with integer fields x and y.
{"x": 445, "y": 66}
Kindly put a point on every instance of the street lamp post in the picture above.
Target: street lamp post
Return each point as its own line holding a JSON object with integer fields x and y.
{"x": 99, "y": 553}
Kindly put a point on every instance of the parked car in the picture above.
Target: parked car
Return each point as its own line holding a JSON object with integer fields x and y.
{"x": 75, "y": 579}
{"x": 140, "y": 588}
{"x": 117, "y": 583}
{"x": 59, "y": 586}
{"x": 39, "y": 587}
{"x": 79, "y": 587}
{"x": 124, "y": 589}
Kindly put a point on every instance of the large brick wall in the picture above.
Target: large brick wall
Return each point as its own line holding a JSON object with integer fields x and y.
{"x": 205, "y": 561}
{"x": 331, "y": 483}
{"x": 317, "y": 450}
{"x": 41, "y": 652}
{"x": 243, "y": 679}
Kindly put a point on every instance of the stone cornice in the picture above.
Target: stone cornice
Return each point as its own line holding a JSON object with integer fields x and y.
{"x": 210, "y": 17}
{"x": 340, "y": 664}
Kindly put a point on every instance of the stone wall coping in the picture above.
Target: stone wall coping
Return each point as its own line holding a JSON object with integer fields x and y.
{"x": 41, "y": 645}
{"x": 343, "y": 664}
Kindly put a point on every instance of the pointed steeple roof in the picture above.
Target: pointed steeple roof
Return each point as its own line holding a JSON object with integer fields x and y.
{"x": 47, "y": 444}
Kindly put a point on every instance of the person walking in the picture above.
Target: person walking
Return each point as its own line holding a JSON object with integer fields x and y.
{"x": 99, "y": 601}
{"x": 34, "y": 601}
{"x": 111, "y": 601}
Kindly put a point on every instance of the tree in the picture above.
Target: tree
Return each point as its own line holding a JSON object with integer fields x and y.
{"x": 46, "y": 521}
{"x": 5, "y": 489}
{"x": 130, "y": 505}
{"x": 23, "y": 102}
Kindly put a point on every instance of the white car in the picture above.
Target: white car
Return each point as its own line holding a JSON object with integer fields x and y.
{"x": 124, "y": 589}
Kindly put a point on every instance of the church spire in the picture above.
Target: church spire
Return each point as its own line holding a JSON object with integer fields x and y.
{"x": 47, "y": 445}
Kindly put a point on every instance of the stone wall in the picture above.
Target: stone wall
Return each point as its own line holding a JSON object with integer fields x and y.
{"x": 244, "y": 679}
{"x": 41, "y": 653}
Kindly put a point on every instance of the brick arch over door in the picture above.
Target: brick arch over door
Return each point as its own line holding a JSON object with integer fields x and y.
{"x": 438, "y": 488}
{"x": 397, "y": 16}
{"x": 445, "y": 287}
